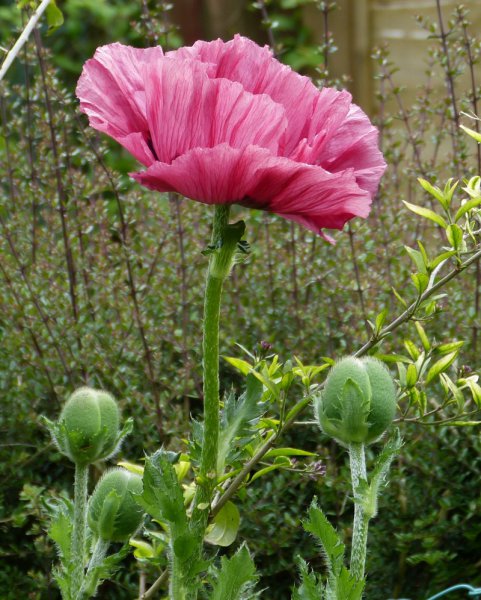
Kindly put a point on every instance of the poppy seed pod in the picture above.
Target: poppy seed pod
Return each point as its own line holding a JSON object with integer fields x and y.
{"x": 113, "y": 513}
{"x": 90, "y": 423}
{"x": 358, "y": 402}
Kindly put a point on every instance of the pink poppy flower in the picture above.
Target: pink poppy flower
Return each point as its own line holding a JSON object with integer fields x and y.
{"x": 227, "y": 123}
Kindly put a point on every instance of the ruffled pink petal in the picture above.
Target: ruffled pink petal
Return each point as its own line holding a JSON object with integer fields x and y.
{"x": 186, "y": 109}
{"x": 253, "y": 177}
{"x": 111, "y": 93}
{"x": 355, "y": 146}
{"x": 259, "y": 72}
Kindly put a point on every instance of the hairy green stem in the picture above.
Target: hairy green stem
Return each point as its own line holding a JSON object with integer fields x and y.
{"x": 177, "y": 588}
{"x": 210, "y": 349}
{"x": 98, "y": 555}
{"x": 79, "y": 526}
{"x": 357, "y": 461}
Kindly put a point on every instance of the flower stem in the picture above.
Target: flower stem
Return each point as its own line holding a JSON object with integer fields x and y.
{"x": 98, "y": 555}
{"x": 79, "y": 526}
{"x": 210, "y": 349}
{"x": 357, "y": 461}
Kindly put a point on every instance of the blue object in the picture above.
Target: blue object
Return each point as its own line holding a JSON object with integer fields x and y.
{"x": 472, "y": 592}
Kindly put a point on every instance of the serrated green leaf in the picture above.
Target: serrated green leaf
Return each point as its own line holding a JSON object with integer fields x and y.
{"x": 319, "y": 526}
{"x": 236, "y": 577}
{"x": 427, "y": 214}
{"x": 238, "y": 418}
{"x": 441, "y": 365}
{"x": 311, "y": 586}
{"x": 347, "y": 587}
{"x": 60, "y": 532}
{"x": 223, "y": 530}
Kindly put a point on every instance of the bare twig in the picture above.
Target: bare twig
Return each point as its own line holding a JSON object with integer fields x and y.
{"x": 34, "y": 19}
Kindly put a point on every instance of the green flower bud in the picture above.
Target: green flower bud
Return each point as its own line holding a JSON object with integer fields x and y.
{"x": 358, "y": 402}
{"x": 113, "y": 514}
{"x": 89, "y": 426}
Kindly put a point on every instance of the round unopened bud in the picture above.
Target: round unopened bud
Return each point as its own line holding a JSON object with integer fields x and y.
{"x": 90, "y": 420}
{"x": 358, "y": 402}
{"x": 113, "y": 513}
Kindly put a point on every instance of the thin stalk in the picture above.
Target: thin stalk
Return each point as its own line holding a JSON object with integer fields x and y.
{"x": 357, "y": 274}
{"x": 79, "y": 526}
{"x": 23, "y": 38}
{"x": 450, "y": 85}
{"x": 357, "y": 460}
{"x": 61, "y": 193}
{"x": 100, "y": 550}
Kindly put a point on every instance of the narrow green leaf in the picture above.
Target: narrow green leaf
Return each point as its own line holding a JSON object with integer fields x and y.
{"x": 474, "y": 134}
{"x": 287, "y": 452}
{"x": 433, "y": 191}
{"x": 264, "y": 471}
{"x": 427, "y": 214}
{"x": 412, "y": 350}
{"x": 421, "y": 282}
{"x": 441, "y": 365}
{"x": 393, "y": 358}
{"x": 451, "y": 387}
{"x": 447, "y": 348}
{"x": 417, "y": 258}
{"x": 422, "y": 336}
{"x": 439, "y": 259}
{"x": 466, "y": 207}
{"x": 454, "y": 233}
{"x": 241, "y": 365}
{"x": 411, "y": 376}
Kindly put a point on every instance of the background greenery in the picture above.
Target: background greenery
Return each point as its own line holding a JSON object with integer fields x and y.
{"x": 101, "y": 283}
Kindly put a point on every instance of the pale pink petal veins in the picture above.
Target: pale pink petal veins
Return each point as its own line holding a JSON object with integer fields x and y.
{"x": 355, "y": 145}
{"x": 259, "y": 72}
{"x": 253, "y": 177}
{"x": 315, "y": 116}
{"x": 186, "y": 109}
{"x": 111, "y": 93}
